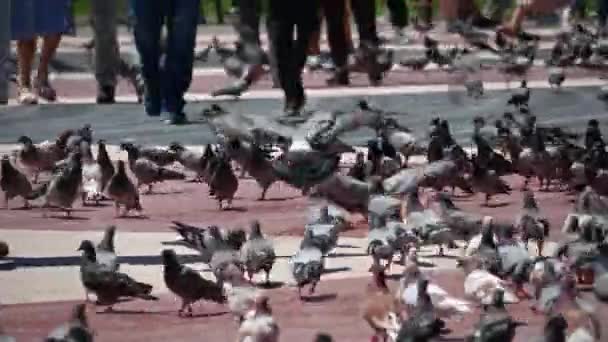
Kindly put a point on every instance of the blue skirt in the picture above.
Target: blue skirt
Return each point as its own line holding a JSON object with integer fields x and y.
{"x": 32, "y": 18}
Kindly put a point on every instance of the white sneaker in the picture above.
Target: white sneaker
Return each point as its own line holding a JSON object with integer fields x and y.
{"x": 26, "y": 96}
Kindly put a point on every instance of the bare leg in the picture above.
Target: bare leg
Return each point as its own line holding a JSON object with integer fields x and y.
{"x": 26, "y": 50}
{"x": 49, "y": 47}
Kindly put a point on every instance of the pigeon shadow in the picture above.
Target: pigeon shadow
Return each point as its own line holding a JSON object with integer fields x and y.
{"x": 165, "y": 193}
{"x": 336, "y": 270}
{"x": 76, "y": 260}
{"x": 97, "y": 205}
{"x": 134, "y": 217}
{"x": 69, "y": 218}
{"x": 270, "y": 285}
{"x": 348, "y": 246}
{"x": 130, "y": 312}
{"x": 320, "y": 298}
{"x": 208, "y": 314}
{"x": 346, "y": 255}
{"x": 237, "y": 209}
{"x": 22, "y": 208}
{"x": 497, "y": 205}
{"x": 280, "y": 199}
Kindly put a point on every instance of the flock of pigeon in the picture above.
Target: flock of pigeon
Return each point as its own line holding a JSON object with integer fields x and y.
{"x": 382, "y": 187}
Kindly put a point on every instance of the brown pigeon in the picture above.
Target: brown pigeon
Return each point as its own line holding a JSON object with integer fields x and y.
{"x": 13, "y": 183}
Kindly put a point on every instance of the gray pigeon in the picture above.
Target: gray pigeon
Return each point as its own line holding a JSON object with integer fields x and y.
{"x": 83, "y": 134}
{"x": 148, "y": 172}
{"x": 105, "y": 251}
{"x": 188, "y": 284}
{"x": 109, "y": 286}
{"x": 122, "y": 191}
{"x": 495, "y": 323}
{"x": 13, "y": 183}
{"x": 37, "y": 158}
{"x": 531, "y": 224}
{"x": 307, "y": 265}
{"x": 462, "y": 223}
{"x": 556, "y": 78}
{"x": 64, "y": 188}
{"x": 105, "y": 164}
{"x": 75, "y": 330}
{"x": 257, "y": 254}
{"x": 253, "y": 160}
{"x": 423, "y": 324}
{"x": 222, "y": 180}
{"x": 224, "y": 262}
{"x": 381, "y": 245}
{"x": 157, "y": 155}
{"x": 346, "y": 192}
{"x": 554, "y": 329}
{"x": 191, "y": 160}
{"x": 474, "y": 88}
{"x": 323, "y": 236}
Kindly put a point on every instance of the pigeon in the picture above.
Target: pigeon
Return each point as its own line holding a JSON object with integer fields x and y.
{"x": 428, "y": 225}
{"x": 474, "y": 88}
{"x": 193, "y": 161}
{"x": 554, "y": 329}
{"x": 257, "y": 254}
{"x": 188, "y": 284}
{"x": 423, "y": 324}
{"x": 531, "y": 224}
{"x": 123, "y": 192}
{"x": 521, "y": 96}
{"x": 322, "y": 235}
{"x": 259, "y": 325}
{"x": 13, "y": 183}
{"x": 222, "y": 180}
{"x": 462, "y": 223}
{"x": 148, "y": 172}
{"x": 92, "y": 187}
{"x": 487, "y": 182}
{"x": 495, "y": 323}
{"x": 381, "y": 245}
{"x": 75, "y": 330}
{"x": 417, "y": 63}
{"x": 80, "y": 135}
{"x": 159, "y": 156}
{"x": 345, "y": 192}
{"x": 105, "y": 251}
{"x": 380, "y": 308}
{"x": 480, "y": 285}
{"x": 556, "y": 78}
{"x": 253, "y": 160}
{"x": 105, "y": 164}
{"x": 64, "y": 187}
{"x": 225, "y": 262}
{"x": 307, "y": 265}
{"x": 109, "y": 286}
{"x": 41, "y": 157}
{"x": 444, "y": 304}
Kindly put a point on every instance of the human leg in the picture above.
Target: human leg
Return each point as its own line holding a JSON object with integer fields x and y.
{"x": 337, "y": 36}
{"x": 181, "y": 40}
{"x": 5, "y": 48}
{"x": 49, "y": 47}
{"x": 107, "y": 58}
{"x": 25, "y": 58}
{"x": 149, "y": 17}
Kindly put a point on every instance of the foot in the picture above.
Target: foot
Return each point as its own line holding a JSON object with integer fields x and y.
{"x": 340, "y": 78}
{"x": 45, "y": 90}
{"x": 105, "y": 95}
{"x": 177, "y": 119}
{"x": 26, "y": 96}
{"x": 152, "y": 101}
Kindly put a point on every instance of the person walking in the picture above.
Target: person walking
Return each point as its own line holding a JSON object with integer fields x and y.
{"x": 166, "y": 85}
{"x": 107, "y": 58}
{"x": 285, "y": 18}
{"x": 31, "y": 19}
{"x": 5, "y": 48}
{"x": 398, "y": 16}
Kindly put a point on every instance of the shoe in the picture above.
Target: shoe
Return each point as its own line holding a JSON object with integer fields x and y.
{"x": 152, "y": 101}
{"x": 105, "y": 95}
{"x": 176, "y": 119}
{"x": 45, "y": 90}
{"x": 340, "y": 78}
{"x": 484, "y": 22}
{"x": 26, "y": 96}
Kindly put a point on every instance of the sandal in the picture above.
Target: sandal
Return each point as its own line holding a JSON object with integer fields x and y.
{"x": 44, "y": 90}
{"x": 26, "y": 96}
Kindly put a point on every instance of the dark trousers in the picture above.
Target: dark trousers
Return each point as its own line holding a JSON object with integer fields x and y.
{"x": 364, "y": 12}
{"x": 398, "y": 11}
{"x": 287, "y": 17}
{"x": 602, "y": 12}
{"x": 170, "y": 84}
{"x": 334, "y": 12}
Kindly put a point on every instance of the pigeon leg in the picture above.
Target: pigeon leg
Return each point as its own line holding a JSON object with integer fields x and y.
{"x": 300, "y": 292}
{"x": 5, "y": 206}
{"x": 487, "y": 202}
{"x": 219, "y": 203}
{"x": 267, "y": 277}
{"x": 35, "y": 179}
{"x": 68, "y": 212}
{"x": 83, "y": 198}
{"x": 149, "y": 189}
{"x": 26, "y": 204}
{"x": 313, "y": 286}
{"x": 441, "y": 251}
{"x": 109, "y": 309}
{"x": 250, "y": 276}
{"x": 263, "y": 195}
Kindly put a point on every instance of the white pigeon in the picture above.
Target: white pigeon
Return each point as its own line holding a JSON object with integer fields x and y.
{"x": 481, "y": 285}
